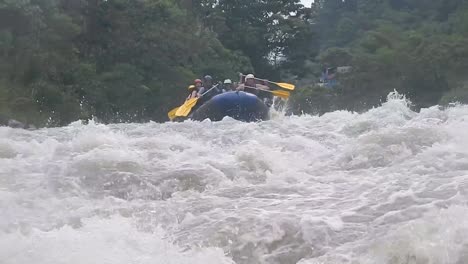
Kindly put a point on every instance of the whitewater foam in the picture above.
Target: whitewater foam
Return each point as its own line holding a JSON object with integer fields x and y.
{"x": 386, "y": 186}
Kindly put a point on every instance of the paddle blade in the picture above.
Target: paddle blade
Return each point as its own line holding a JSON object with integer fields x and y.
{"x": 172, "y": 113}
{"x": 184, "y": 110}
{"x": 282, "y": 94}
{"x": 286, "y": 86}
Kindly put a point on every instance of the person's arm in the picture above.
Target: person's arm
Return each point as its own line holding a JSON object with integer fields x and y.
{"x": 240, "y": 87}
{"x": 262, "y": 87}
{"x": 201, "y": 91}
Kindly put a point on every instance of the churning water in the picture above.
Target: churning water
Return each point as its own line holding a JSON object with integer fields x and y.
{"x": 387, "y": 186}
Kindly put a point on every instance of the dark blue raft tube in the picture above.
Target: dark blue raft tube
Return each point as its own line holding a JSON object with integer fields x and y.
{"x": 241, "y": 106}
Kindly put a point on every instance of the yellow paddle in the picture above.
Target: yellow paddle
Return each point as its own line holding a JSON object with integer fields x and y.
{"x": 282, "y": 94}
{"x": 172, "y": 113}
{"x": 185, "y": 109}
{"x": 286, "y": 86}
{"x": 279, "y": 93}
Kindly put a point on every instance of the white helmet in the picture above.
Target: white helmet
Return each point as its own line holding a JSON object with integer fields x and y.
{"x": 249, "y": 76}
{"x": 227, "y": 81}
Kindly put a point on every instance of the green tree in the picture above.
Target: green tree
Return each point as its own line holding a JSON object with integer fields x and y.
{"x": 268, "y": 32}
{"x": 116, "y": 60}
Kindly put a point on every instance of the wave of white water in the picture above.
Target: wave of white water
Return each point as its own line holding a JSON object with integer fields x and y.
{"x": 386, "y": 186}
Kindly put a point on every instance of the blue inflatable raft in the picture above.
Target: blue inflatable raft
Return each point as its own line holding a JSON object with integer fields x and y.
{"x": 241, "y": 106}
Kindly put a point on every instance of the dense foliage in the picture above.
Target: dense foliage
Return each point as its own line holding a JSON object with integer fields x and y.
{"x": 126, "y": 60}
{"x": 417, "y": 47}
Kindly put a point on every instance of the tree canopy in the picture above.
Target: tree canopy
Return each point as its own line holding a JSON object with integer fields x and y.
{"x": 417, "y": 47}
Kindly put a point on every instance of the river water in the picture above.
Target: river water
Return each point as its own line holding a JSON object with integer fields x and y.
{"x": 386, "y": 186}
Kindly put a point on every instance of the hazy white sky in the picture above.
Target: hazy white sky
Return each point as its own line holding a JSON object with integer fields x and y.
{"x": 307, "y": 2}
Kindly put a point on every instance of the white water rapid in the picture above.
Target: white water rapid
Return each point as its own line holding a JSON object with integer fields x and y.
{"x": 388, "y": 186}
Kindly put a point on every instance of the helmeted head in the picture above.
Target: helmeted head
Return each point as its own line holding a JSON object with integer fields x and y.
{"x": 198, "y": 83}
{"x": 250, "y": 79}
{"x": 227, "y": 84}
{"x": 208, "y": 81}
{"x": 192, "y": 87}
